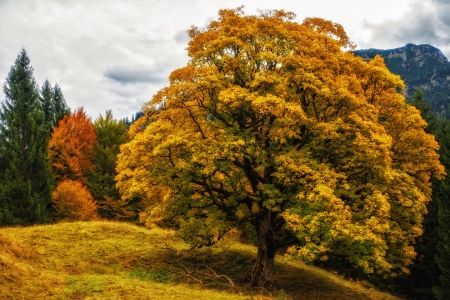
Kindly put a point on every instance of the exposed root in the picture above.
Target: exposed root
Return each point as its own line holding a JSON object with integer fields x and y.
{"x": 7, "y": 250}
{"x": 177, "y": 250}
{"x": 190, "y": 273}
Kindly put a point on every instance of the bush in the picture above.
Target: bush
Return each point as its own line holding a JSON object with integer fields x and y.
{"x": 73, "y": 202}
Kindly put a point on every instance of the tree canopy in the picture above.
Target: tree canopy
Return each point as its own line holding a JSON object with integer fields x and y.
{"x": 110, "y": 133}
{"x": 71, "y": 147}
{"x": 275, "y": 126}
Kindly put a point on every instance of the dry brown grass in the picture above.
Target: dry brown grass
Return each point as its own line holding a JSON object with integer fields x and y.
{"x": 108, "y": 260}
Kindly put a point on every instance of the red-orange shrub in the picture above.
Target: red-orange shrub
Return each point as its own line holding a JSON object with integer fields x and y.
{"x": 73, "y": 202}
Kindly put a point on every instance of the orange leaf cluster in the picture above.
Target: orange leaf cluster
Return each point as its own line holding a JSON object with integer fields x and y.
{"x": 71, "y": 147}
{"x": 73, "y": 202}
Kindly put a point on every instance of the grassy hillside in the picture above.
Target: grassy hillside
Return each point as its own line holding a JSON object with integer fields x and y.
{"x": 106, "y": 260}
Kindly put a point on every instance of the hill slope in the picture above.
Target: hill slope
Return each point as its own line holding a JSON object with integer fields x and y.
{"x": 106, "y": 260}
{"x": 420, "y": 66}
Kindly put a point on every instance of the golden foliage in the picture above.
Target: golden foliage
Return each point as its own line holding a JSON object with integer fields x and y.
{"x": 274, "y": 117}
{"x": 73, "y": 202}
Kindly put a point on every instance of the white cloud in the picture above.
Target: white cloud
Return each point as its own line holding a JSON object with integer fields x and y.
{"x": 112, "y": 54}
{"x": 423, "y": 22}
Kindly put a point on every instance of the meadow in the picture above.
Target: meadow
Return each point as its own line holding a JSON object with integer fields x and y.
{"x": 111, "y": 260}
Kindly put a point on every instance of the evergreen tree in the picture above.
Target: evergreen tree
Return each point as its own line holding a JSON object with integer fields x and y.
{"x": 111, "y": 134}
{"x": 134, "y": 118}
{"x": 430, "y": 273}
{"x": 424, "y": 273}
{"x": 442, "y": 199}
{"x": 53, "y": 104}
{"x": 25, "y": 183}
{"x": 47, "y": 96}
{"x": 424, "y": 106}
{"x": 60, "y": 108}
{"x": 138, "y": 115}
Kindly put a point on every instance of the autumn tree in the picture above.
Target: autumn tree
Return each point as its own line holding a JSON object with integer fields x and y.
{"x": 110, "y": 133}
{"x": 25, "y": 179}
{"x": 276, "y": 124}
{"x": 71, "y": 147}
{"x": 73, "y": 202}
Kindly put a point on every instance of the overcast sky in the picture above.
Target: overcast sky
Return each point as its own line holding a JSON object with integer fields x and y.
{"x": 116, "y": 54}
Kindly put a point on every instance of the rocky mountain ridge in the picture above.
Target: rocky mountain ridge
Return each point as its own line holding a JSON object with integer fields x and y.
{"x": 420, "y": 66}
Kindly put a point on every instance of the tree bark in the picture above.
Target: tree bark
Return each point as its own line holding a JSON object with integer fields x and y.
{"x": 263, "y": 270}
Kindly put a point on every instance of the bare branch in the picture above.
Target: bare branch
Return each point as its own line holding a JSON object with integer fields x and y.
{"x": 189, "y": 273}
{"x": 178, "y": 250}
{"x": 8, "y": 250}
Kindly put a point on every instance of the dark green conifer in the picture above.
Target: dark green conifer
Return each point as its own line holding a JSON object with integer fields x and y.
{"x": 424, "y": 272}
{"x": 60, "y": 108}
{"x": 47, "y": 96}
{"x": 442, "y": 198}
{"x": 430, "y": 274}
{"x": 111, "y": 133}
{"x": 53, "y": 104}
{"x": 25, "y": 180}
{"x": 424, "y": 106}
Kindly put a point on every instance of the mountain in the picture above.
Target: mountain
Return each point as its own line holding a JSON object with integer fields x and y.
{"x": 420, "y": 66}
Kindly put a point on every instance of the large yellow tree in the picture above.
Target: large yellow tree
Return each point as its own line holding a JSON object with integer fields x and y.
{"x": 277, "y": 125}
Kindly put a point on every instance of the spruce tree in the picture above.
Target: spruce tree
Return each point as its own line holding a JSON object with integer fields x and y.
{"x": 53, "y": 104}
{"x": 25, "y": 183}
{"x": 111, "y": 133}
{"x": 47, "y": 96}
{"x": 424, "y": 106}
{"x": 425, "y": 272}
{"x": 430, "y": 273}
{"x": 442, "y": 198}
{"x": 60, "y": 108}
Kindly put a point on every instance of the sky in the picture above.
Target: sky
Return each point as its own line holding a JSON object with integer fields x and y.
{"x": 115, "y": 54}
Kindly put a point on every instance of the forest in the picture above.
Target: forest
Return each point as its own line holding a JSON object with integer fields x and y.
{"x": 274, "y": 132}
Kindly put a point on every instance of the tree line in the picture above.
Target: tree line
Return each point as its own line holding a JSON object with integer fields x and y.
{"x": 429, "y": 276}
{"x": 275, "y": 131}
{"x": 55, "y": 164}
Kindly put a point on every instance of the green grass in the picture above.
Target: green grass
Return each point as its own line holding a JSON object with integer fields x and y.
{"x": 108, "y": 260}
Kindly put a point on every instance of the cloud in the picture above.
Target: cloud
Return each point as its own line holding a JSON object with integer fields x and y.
{"x": 443, "y": 11}
{"x": 112, "y": 54}
{"x": 424, "y": 22}
{"x": 127, "y": 74}
{"x": 181, "y": 37}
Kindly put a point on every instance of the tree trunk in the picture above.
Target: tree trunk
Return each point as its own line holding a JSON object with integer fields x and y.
{"x": 263, "y": 270}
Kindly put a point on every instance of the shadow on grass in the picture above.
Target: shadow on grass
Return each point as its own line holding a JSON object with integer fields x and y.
{"x": 294, "y": 279}
{"x": 106, "y": 259}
